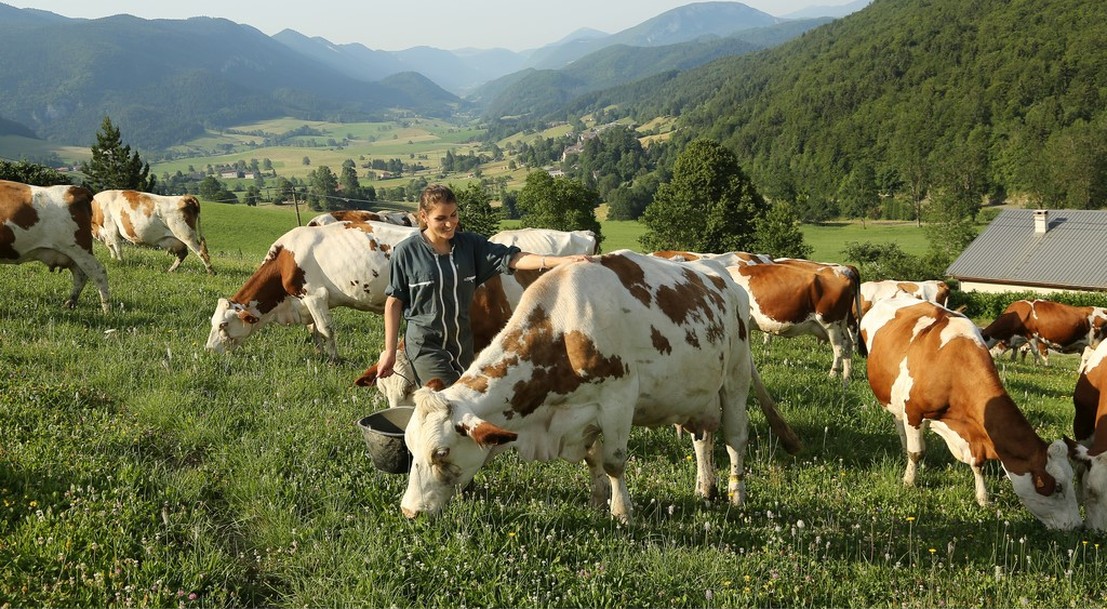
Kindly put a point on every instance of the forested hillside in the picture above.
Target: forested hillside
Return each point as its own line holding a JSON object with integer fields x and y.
{"x": 533, "y": 97}
{"x": 163, "y": 81}
{"x": 989, "y": 96}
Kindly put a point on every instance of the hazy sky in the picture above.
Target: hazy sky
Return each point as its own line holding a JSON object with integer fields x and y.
{"x": 394, "y": 25}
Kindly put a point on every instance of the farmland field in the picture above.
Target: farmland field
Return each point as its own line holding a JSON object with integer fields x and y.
{"x": 137, "y": 469}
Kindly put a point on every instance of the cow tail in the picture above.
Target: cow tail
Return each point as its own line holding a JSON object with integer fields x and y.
{"x": 855, "y": 323}
{"x": 780, "y": 427}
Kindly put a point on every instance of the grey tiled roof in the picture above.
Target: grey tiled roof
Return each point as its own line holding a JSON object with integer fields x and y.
{"x": 1071, "y": 254}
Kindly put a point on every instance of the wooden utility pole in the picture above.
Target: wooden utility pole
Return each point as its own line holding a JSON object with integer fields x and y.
{"x": 296, "y": 204}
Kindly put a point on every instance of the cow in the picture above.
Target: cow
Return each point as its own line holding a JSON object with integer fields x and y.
{"x": 576, "y": 367}
{"x": 169, "y": 222}
{"x": 51, "y": 224}
{"x": 1089, "y": 450}
{"x": 307, "y": 272}
{"x": 1046, "y": 325}
{"x": 401, "y": 218}
{"x": 929, "y": 367}
{"x": 549, "y": 241}
{"x": 792, "y": 297}
{"x": 933, "y": 290}
{"x": 492, "y": 303}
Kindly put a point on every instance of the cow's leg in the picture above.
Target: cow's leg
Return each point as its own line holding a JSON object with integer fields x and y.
{"x": 915, "y": 446}
{"x": 110, "y": 237}
{"x": 601, "y": 485}
{"x": 198, "y": 245}
{"x": 85, "y": 265}
{"x": 321, "y": 317}
{"x": 736, "y": 431}
{"x": 615, "y": 425}
{"x": 840, "y": 343}
{"x": 176, "y": 248}
{"x": 704, "y": 445}
{"x": 978, "y": 482}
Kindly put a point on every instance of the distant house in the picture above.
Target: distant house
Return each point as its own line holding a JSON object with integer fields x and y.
{"x": 1037, "y": 250}
{"x": 228, "y": 174}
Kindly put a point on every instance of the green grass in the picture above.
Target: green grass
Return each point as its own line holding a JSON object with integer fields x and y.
{"x": 828, "y": 240}
{"x": 137, "y": 469}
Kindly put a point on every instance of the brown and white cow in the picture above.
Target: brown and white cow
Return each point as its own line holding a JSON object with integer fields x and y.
{"x": 1046, "y": 325}
{"x": 169, "y": 222}
{"x": 1090, "y": 449}
{"x": 933, "y": 291}
{"x": 928, "y": 366}
{"x": 793, "y": 297}
{"x": 401, "y": 218}
{"x": 493, "y": 302}
{"x": 575, "y": 368}
{"x": 307, "y": 272}
{"x": 51, "y": 224}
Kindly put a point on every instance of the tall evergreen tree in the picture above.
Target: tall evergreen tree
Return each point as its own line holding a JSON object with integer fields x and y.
{"x": 113, "y": 165}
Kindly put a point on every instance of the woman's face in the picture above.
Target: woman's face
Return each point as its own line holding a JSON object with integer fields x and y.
{"x": 441, "y": 220}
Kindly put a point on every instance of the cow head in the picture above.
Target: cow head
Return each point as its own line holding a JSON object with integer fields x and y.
{"x": 230, "y": 324}
{"x": 447, "y": 446}
{"x": 396, "y": 388}
{"x": 1094, "y": 483}
{"x": 1049, "y": 494}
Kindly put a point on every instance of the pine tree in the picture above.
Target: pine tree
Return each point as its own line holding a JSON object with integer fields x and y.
{"x": 113, "y": 165}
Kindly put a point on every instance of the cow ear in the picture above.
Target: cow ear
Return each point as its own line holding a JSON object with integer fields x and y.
{"x": 435, "y": 384}
{"x": 367, "y": 378}
{"x": 1077, "y": 451}
{"x": 247, "y": 317}
{"x": 486, "y": 435}
{"x": 1044, "y": 484}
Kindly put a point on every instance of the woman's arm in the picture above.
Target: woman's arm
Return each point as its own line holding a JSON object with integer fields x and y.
{"x": 393, "y": 309}
{"x": 526, "y": 261}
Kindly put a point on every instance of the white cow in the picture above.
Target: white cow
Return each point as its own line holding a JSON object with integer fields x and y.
{"x": 929, "y": 367}
{"x": 933, "y": 290}
{"x": 593, "y": 349}
{"x": 307, "y": 272}
{"x": 51, "y": 224}
{"x": 169, "y": 222}
{"x": 401, "y": 218}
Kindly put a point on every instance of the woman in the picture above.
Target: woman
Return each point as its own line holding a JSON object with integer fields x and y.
{"x": 433, "y": 277}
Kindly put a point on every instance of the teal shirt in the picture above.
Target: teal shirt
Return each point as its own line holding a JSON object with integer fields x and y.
{"x": 437, "y": 292}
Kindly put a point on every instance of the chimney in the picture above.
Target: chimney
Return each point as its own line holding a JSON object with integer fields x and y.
{"x": 1041, "y": 221}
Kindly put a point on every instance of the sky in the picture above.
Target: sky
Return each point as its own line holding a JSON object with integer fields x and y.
{"x": 395, "y": 25}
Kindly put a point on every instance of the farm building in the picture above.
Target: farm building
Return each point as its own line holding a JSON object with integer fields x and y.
{"x": 1037, "y": 250}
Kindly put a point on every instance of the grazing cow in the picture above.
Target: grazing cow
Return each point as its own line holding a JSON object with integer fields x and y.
{"x": 928, "y": 366}
{"x": 575, "y": 368}
{"x": 1046, "y": 325}
{"x": 493, "y": 302}
{"x": 169, "y": 222}
{"x": 402, "y": 218}
{"x": 51, "y": 224}
{"x": 307, "y": 272}
{"x": 791, "y": 297}
{"x": 1090, "y": 449}
{"x": 933, "y": 291}
{"x": 549, "y": 241}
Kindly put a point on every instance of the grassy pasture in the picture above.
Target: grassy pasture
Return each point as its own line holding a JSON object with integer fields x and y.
{"x": 136, "y": 469}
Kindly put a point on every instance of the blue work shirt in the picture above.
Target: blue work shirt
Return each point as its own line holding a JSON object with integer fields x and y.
{"x": 437, "y": 291}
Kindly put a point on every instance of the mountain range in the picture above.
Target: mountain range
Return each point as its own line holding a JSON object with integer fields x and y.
{"x": 165, "y": 81}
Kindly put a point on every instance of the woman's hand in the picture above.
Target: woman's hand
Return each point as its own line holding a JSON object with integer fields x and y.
{"x": 385, "y": 363}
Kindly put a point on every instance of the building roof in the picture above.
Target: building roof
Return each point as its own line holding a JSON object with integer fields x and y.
{"x": 1071, "y": 254}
